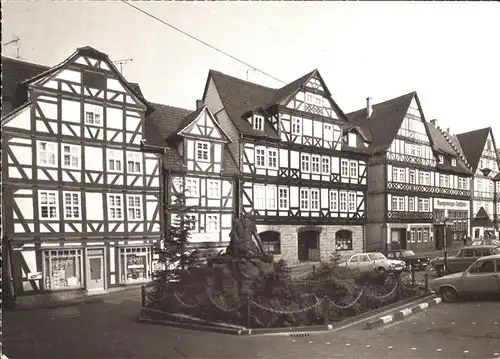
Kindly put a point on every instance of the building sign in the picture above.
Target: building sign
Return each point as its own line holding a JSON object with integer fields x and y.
{"x": 450, "y": 204}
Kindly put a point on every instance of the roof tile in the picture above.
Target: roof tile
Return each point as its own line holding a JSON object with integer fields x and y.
{"x": 472, "y": 144}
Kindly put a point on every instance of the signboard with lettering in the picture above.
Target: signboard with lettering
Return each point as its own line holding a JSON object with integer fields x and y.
{"x": 450, "y": 204}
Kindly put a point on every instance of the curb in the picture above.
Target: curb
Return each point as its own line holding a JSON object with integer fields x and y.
{"x": 62, "y": 304}
{"x": 399, "y": 315}
{"x": 234, "y": 331}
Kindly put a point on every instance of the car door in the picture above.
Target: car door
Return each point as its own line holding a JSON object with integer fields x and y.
{"x": 365, "y": 264}
{"x": 462, "y": 261}
{"x": 481, "y": 278}
{"x": 353, "y": 263}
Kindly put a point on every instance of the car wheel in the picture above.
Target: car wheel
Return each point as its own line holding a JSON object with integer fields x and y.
{"x": 448, "y": 294}
{"x": 440, "y": 271}
{"x": 381, "y": 270}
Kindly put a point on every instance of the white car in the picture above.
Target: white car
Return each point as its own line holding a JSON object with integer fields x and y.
{"x": 375, "y": 261}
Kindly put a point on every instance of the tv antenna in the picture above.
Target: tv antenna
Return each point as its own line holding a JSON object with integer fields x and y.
{"x": 16, "y": 40}
{"x": 247, "y": 71}
{"x": 122, "y": 62}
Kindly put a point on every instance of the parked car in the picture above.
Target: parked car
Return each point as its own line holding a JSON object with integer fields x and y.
{"x": 481, "y": 278}
{"x": 367, "y": 262}
{"x": 412, "y": 260}
{"x": 463, "y": 259}
{"x": 486, "y": 241}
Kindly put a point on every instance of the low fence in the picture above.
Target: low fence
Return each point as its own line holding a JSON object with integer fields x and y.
{"x": 248, "y": 310}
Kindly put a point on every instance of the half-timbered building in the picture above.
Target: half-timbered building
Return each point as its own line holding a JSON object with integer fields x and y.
{"x": 199, "y": 164}
{"x": 481, "y": 152}
{"x": 81, "y": 191}
{"x": 301, "y": 179}
{"x": 416, "y": 178}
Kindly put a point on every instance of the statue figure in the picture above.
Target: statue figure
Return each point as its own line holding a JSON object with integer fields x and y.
{"x": 242, "y": 243}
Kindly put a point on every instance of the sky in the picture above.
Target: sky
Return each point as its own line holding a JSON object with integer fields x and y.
{"x": 448, "y": 52}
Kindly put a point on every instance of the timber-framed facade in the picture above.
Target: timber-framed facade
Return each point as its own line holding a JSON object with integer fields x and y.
{"x": 81, "y": 191}
{"x": 416, "y": 178}
{"x": 300, "y": 178}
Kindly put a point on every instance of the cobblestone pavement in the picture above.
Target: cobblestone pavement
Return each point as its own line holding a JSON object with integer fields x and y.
{"x": 109, "y": 330}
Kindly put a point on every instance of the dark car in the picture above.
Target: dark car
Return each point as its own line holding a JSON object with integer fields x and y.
{"x": 413, "y": 261}
{"x": 463, "y": 259}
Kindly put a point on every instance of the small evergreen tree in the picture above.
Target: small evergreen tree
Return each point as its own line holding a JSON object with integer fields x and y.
{"x": 175, "y": 255}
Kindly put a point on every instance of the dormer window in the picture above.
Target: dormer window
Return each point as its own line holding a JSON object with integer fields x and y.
{"x": 202, "y": 151}
{"x": 441, "y": 159}
{"x": 258, "y": 123}
{"x": 453, "y": 162}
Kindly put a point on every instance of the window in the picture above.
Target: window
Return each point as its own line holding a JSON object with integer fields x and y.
{"x": 398, "y": 203}
{"x": 134, "y": 207}
{"x": 192, "y": 187}
{"x": 271, "y": 197}
{"x": 62, "y": 269}
{"x": 296, "y": 126}
{"x": 328, "y": 132}
{"x": 47, "y": 154}
{"x": 325, "y": 165}
{"x": 260, "y": 157}
{"x": 135, "y": 264}
{"x": 134, "y": 160}
{"x": 283, "y": 197}
{"x": 213, "y": 189}
{"x": 71, "y": 205}
{"x": 487, "y": 266}
{"x": 71, "y": 156}
{"x": 115, "y": 209}
{"x": 344, "y": 169}
{"x": 315, "y": 164}
{"x": 202, "y": 151}
{"x": 412, "y": 176}
{"x": 212, "y": 223}
{"x": 334, "y": 203}
{"x": 48, "y": 204}
{"x": 398, "y": 174}
{"x": 424, "y": 178}
{"x": 343, "y": 201}
{"x": 271, "y": 242}
{"x": 192, "y": 220}
{"x": 259, "y": 197}
{"x": 314, "y": 199}
{"x": 411, "y": 204}
{"x": 423, "y": 204}
{"x": 304, "y": 199}
{"x": 272, "y": 158}
{"x": 304, "y": 162}
{"x": 352, "y": 202}
{"x": 354, "y": 169}
{"x": 258, "y": 123}
{"x": 440, "y": 158}
{"x": 343, "y": 240}
{"x": 115, "y": 159}
{"x": 453, "y": 161}
{"x": 93, "y": 115}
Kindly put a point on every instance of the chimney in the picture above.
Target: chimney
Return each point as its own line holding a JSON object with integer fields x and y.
{"x": 448, "y": 130}
{"x": 199, "y": 104}
{"x": 434, "y": 122}
{"x": 369, "y": 109}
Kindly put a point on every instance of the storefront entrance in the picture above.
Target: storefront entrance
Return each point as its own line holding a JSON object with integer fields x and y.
{"x": 398, "y": 238}
{"x": 308, "y": 246}
{"x": 95, "y": 269}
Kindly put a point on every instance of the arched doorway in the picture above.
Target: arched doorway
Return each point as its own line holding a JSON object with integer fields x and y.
{"x": 308, "y": 245}
{"x": 271, "y": 242}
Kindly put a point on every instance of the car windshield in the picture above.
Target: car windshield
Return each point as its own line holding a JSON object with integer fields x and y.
{"x": 376, "y": 256}
{"x": 408, "y": 253}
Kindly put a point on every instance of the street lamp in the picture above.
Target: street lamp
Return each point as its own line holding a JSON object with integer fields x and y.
{"x": 446, "y": 221}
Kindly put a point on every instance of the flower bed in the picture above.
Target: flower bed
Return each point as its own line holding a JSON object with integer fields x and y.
{"x": 277, "y": 300}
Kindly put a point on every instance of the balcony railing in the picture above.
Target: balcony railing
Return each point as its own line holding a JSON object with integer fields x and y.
{"x": 409, "y": 216}
{"x": 442, "y": 191}
{"x": 410, "y": 160}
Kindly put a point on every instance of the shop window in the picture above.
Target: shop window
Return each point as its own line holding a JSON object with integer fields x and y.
{"x": 135, "y": 264}
{"x": 271, "y": 242}
{"x": 343, "y": 240}
{"x": 62, "y": 269}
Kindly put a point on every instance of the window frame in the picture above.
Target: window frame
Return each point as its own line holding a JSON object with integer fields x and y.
{"x": 111, "y": 156}
{"x": 272, "y": 153}
{"x": 296, "y": 126}
{"x": 304, "y": 199}
{"x": 199, "y": 150}
{"x": 333, "y": 203}
{"x": 258, "y": 120}
{"x": 134, "y": 207}
{"x": 315, "y": 204}
{"x": 325, "y": 164}
{"x": 344, "y": 165}
{"x": 71, "y": 205}
{"x": 353, "y": 168}
{"x": 304, "y": 161}
{"x": 285, "y": 198}
{"x": 188, "y": 188}
{"x": 215, "y": 191}
{"x": 216, "y": 222}
{"x": 115, "y": 207}
{"x": 258, "y": 188}
{"x": 271, "y": 190}
{"x": 318, "y": 163}
{"x": 48, "y": 205}
{"x": 78, "y": 156}
{"x": 94, "y": 110}
{"x": 343, "y": 203}
{"x": 136, "y": 159}
{"x": 260, "y": 153}
{"x": 352, "y": 201}
{"x": 53, "y": 152}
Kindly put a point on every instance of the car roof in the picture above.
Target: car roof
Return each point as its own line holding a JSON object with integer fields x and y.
{"x": 481, "y": 246}
{"x": 493, "y": 256}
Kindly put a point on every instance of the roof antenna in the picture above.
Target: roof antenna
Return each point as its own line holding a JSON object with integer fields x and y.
{"x": 16, "y": 41}
{"x": 121, "y": 63}
{"x": 247, "y": 71}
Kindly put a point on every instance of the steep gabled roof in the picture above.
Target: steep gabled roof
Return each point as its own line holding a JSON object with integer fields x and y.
{"x": 162, "y": 122}
{"x": 194, "y": 115}
{"x": 472, "y": 144}
{"x": 240, "y": 97}
{"x": 481, "y": 219}
{"x": 385, "y": 120}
